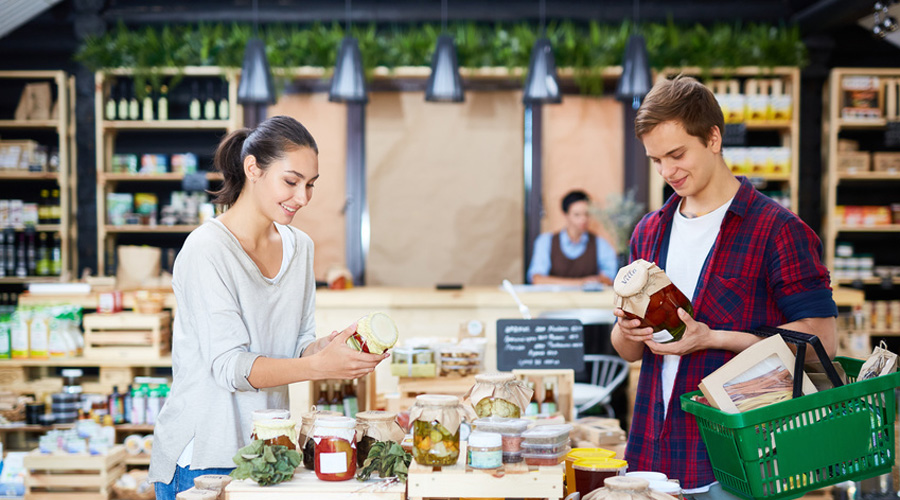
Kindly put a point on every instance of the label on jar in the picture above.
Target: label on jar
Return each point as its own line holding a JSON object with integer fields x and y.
{"x": 332, "y": 463}
{"x": 662, "y": 336}
{"x": 485, "y": 459}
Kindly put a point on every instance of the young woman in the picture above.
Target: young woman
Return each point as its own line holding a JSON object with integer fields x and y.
{"x": 245, "y": 327}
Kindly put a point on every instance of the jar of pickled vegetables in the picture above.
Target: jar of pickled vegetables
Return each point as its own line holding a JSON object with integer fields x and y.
{"x": 307, "y": 421}
{"x": 436, "y": 420}
{"x": 335, "y": 448}
{"x": 276, "y": 431}
{"x": 373, "y": 426}
{"x": 644, "y": 292}
{"x": 498, "y": 394}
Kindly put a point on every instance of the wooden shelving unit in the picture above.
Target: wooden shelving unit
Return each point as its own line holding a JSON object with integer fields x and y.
{"x": 108, "y": 132}
{"x": 64, "y": 128}
{"x": 788, "y": 130}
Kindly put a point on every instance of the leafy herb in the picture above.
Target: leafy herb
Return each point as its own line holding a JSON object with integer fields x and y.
{"x": 267, "y": 465}
{"x": 388, "y": 459}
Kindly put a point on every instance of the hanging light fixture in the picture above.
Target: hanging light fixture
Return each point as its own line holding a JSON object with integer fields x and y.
{"x": 636, "y": 80}
{"x": 349, "y": 82}
{"x": 542, "y": 82}
{"x": 257, "y": 85}
{"x": 444, "y": 82}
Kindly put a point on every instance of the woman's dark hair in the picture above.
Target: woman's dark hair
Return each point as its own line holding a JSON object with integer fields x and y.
{"x": 573, "y": 197}
{"x": 268, "y": 142}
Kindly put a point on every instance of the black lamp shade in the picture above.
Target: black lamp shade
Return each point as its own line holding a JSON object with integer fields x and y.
{"x": 542, "y": 83}
{"x": 257, "y": 85}
{"x": 636, "y": 80}
{"x": 349, "y": 82}
{"x": 444, "y": 83}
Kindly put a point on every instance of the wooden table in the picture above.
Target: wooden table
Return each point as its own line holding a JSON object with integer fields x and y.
{"x": 306, "y": 486}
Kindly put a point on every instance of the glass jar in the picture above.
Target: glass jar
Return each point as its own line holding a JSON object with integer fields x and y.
{"x": 644, "y": 292}
{"x": 375, "y": 333}
{"x": 577, "y": 454}
{"x": 373, "y": 426}
{"x": 307, "y": 421}
{"x": 276, "y": 431}
{"x": 590, "y": 473}
{"x": 436, "y": 421}
{"x": 485, "y": 450}
{"x": 413, "y": 362}
{"x": 335, "y": 448}
{"x": 625, "y": 488}
{"x": 498, "y": 394}
{"x": 270, "y": 414}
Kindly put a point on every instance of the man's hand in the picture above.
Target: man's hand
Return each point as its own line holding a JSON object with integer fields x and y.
{"x": 697, "y": 336}
{"x": 630, "y": 329}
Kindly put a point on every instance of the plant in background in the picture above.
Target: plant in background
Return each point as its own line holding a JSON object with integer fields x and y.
{"x": 619, "y": 215}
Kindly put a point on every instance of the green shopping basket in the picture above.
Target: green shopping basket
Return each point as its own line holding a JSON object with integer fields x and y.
{"x": 786, "y": 449}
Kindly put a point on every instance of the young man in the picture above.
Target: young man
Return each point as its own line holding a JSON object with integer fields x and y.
{"x": 742, "y": 259}
{"x": 573, "y": 256}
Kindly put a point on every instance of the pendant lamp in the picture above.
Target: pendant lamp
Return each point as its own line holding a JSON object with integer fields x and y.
{"x": 257, "y": 85}
{"x": 444, "y": 82}
{"x": 636, "y": 80}
{"x": 542, "y": 82}
{"x": 349, "y": 82}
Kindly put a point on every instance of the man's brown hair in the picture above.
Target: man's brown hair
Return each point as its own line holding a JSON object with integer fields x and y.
{"x": 682, "y": 99}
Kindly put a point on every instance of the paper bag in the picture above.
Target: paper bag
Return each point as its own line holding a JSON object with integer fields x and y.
{"x": 35, "y": 103}
{"x": 137, "y": 265}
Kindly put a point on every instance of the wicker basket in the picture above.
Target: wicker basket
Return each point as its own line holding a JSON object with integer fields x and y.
{"x": 17, "y": 414}
{"x": 146, "y": 302}
{"x": 132, "y": 494}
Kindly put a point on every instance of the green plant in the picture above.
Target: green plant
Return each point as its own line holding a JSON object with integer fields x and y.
{"x": 388, "y": 459}
{"x": 265, "y": 464}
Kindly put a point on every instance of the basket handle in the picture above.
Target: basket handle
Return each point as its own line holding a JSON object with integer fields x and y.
{"x": 801, "y": 339}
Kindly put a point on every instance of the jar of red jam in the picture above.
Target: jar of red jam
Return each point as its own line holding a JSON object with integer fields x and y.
{"x": 308, "y": 421}
{"x": 644, "y": 292}
{"x": 335, "y": 448}
{"x": 375, "y": 333}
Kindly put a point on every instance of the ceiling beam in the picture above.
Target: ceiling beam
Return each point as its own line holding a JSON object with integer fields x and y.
{"x": 826, "y": 14}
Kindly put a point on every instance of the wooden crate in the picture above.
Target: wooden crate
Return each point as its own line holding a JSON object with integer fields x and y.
{"x": 511, "y": 481}
{"x": 306, "y": 486}
{"x": 73, "y": 477}
{"x": 564, "y": 381}
{"x": 409, "y": 388}
{"x": 366, "y": 397}
{"x": 127, "y": 335}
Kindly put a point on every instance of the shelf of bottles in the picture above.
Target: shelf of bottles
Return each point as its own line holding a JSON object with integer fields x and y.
{"x": 164, "y": 129}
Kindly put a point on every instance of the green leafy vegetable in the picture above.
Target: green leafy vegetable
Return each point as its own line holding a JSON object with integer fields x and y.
{"x": 267, "y": 465}
{"x": 388, "y": 459}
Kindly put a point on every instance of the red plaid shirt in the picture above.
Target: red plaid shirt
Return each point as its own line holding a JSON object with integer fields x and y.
{"x": 764, "y": 269}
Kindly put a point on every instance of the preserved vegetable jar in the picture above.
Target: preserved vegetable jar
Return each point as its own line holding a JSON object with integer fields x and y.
{"x": 276, "y": 431}
{"x": 374, "y": 426}
{"x": 307, "y": 421}
{"x": 375, "y": 333}
{"x": 499, "y": 394}
{"x": 644, "y": 292}
{"x": 335, "y": 448}
{"x": 436, "y": 420}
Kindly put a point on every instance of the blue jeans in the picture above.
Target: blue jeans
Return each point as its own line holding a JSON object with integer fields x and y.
{"x": 183, "y": 480}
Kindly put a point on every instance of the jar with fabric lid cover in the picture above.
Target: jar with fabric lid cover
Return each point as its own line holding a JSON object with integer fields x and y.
{"x": 436, "y": 421}
{"x": 335, "y": 448}
{"x": 373, "y": 426}
{"x": 307, "y": 420}
{"x": 276, "y": 431}
{"x": 644, "y": 292}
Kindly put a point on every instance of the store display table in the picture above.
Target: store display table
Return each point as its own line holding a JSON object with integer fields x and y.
{"x": 306, "y": 486}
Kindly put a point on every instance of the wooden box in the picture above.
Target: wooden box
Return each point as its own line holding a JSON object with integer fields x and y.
{"x": 73, "y": 477}
{"x": 127, "y": 335}
{"x": 886, "y": 162}
{"x": 409, "y": 388}
{"x": 854, "y": 161}
{"x": 459, "y": 481}
{"x": 563, "y": 381}
{"x": 365, "y": 392}
{"x": 597, "y": 432}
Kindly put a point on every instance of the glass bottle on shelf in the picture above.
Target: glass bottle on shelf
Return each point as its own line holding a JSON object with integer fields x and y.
{"x": 549, "y": 405}
{"x": 123, "y": 101}
{"x": 56, "y": 256}
{"x": 111, "y": 103}
{"x": 194, "y": 108}
{"x": 10, "y": 245}
{"x": 209, "y": 105}
{"x": 31, "y": 251}
{"x": 55, "y": 210}
{"x": 43, "y": 261}
{"x": 322, "y": 400}
{"x": 224, "y": 108}
{"x": 351, "y": 402}
{"x": 162, "y": 108}
{"x": 44, "y": 207}
{"x": 534, "y": 407}
{"x": 336, "y": 402}
{"x": 134, "y": 112}
{"x": 147, "y": 104}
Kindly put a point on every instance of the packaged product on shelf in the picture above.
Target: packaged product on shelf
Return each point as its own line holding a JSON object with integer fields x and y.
{"x": 413, "y": 362}
{"x": 16, "y": 213}
{"x": 757, "y": 100}
{"x": 462, "y": 359}
{"x": 145, "y": 205}
{"x": 184, "y": 163}
{"x": 118, "y": 205}
{"x": 5, "y": 330}
{"x": 780, "y": 102}
{"x": 154, "y": 164}
{"x": 19, "y": 333}
{"x": 29, "y": 214}
{"x": 860, "y": 97}
{"x": 498, "y": 394}
{"x": 124, "y": 163}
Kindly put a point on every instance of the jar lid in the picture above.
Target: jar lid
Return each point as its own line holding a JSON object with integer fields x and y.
{"x": 625, "y": 483}
{"x": 270, "y": 414}
{"x": 632, "y": 278}
{"x": 665, "y": 487}
{"x": 579, "y": 453}
{"x": 312, "y": 415}
{"x": 600, "y": 464}
{"x": 495, "y": 377}
{"x": 437, "y": 400}
{"x": 376, "y": 416}
{"x": 274, "y": 424}
{"x": 336, "y": 422}
{"x": 480, "y": 439}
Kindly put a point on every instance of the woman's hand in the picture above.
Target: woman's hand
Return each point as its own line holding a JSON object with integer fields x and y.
{"x": 334, "y": 359}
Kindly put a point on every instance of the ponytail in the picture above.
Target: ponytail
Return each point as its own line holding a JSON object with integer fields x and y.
{"x": 267, "y": 142}
{"x": 230, "y": 162}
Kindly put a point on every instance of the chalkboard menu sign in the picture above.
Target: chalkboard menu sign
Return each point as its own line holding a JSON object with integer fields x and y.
{"x": 540, "y": 343}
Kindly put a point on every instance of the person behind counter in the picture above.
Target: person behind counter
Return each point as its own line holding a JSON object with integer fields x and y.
{"x": 745, "y": 261}
{"x": 573, "y": 256}
{"x": 244, "y": 327}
